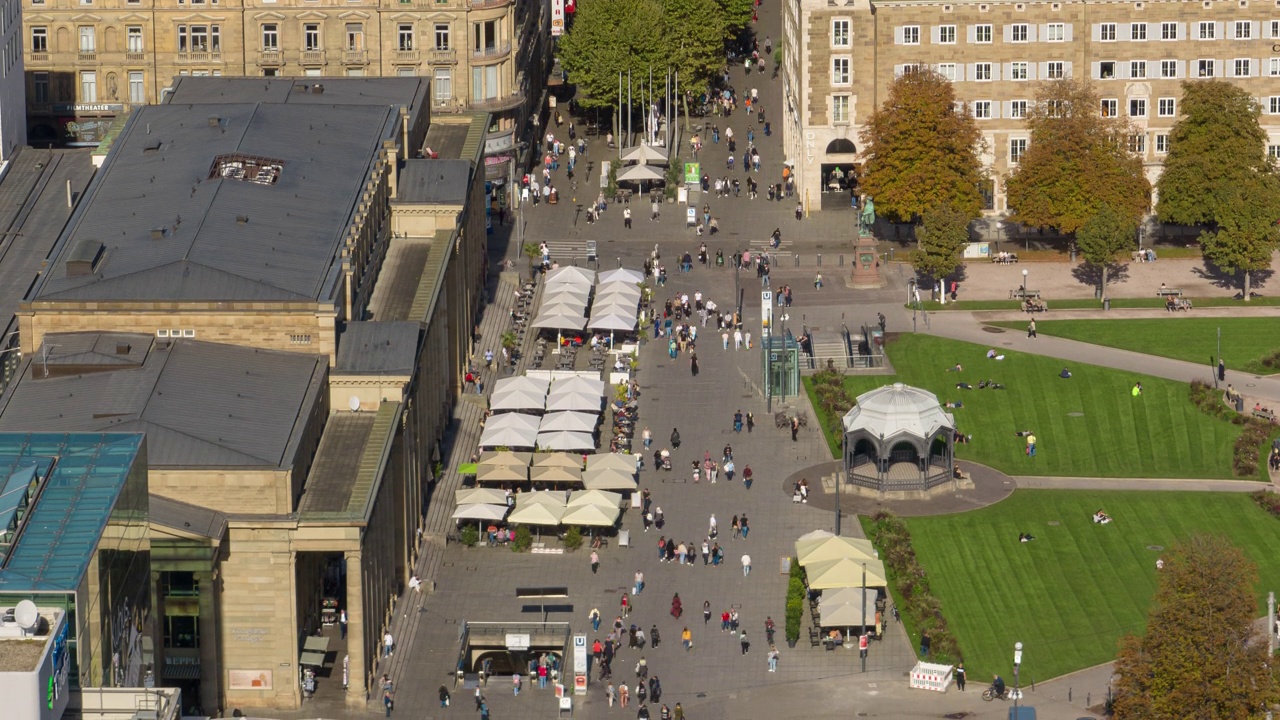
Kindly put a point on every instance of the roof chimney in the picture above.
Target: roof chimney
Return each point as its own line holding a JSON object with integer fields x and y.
{"x": 157, "y": 233}
{"x": 215, "y": 121}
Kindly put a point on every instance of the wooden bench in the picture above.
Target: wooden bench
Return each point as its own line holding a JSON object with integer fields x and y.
{"x": 1267, "y": 415}
{"x": 1034, "y": 306}
{"x": 1008, "y": 259}
{"x": 815, "y": 638}
{"x": 624, "y": 195}
{"x": 1167, "y": 292}
{"x": 1021, "y": 294}
{"x": 1173, "y": 304}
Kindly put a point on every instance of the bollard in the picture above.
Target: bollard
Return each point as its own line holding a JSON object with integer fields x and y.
{"x": 797, "y": 259}
{"x": 1068, "y": 694}
{"x": 1088, "y": 700}
{"x": 841, "y": 260}
{"x": 819, "y": 259}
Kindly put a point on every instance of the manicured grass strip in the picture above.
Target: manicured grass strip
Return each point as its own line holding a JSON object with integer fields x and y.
{"x": 1086, "y": 304}
{"x": 1069, "y": 595}
{"x": 1088, "y": 426}
{"x": 1245, "y": 341}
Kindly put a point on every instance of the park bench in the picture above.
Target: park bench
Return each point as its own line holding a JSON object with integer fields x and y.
{"x": 1034, "y": 306}
{"x": 1167, "y": 292}
{"x": 1173, "y": 304}
{"x": 1007, "y": 258}
{"x": 1265, "y": 414}
{"x": 1023, "y": 294}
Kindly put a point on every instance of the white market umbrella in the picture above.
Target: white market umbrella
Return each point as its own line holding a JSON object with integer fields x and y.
{"x": 634, "y": 277}
{"x": 558, "y": 459}
{"x": 501, "y": 474}
{"x": 614, "y": 305}
{"x": 613, "y": 322}
{"x": 639, "y": 174}
{"x": 518, "y": 393}
{"x": 553, "y": 474}
{"x": 519, "y": 431}
{"x": 595, "y": 497}
{"x": 560, "y": 321}
{"x": 538, "y": 508}
{"x": 815, "y": 535}
{"x": 561, "y": 293}
{"x": 644, "y": 153}
{"x": 479, "y": 496}
{"x": 590, "y": 516}
{"x": 571, "y": 274}
{"x": 609, "y": 480}
{"x": 848, "y": 614}
{"x": 561, "y": 302}
{"x": 569, "y": 422}
{"x": 505, "y": 457}
{"x": 621, "y": 462}
{"x": 574, "y": 402}
{"x": 562, "y": 440}
{"x": 618, "y": 287}
{"x": 843, "y": 573}
{"x": 834, "y": 548}
{"x": 481, "y": 511}
{"x": 579, "y": 384}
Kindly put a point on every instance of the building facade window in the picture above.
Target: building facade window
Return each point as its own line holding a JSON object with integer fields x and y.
{"x": 88, "y": 86}
{"x": 1243, "y": 67}
{"x": 1138, "y": 32}
{"x": 982, "y": 33}
{"x": 40, "y": 87}
{"x": 404, "y": 36}
{"x": 1206, "y": 30}
{"x": 841, "y": 35}
{"x": 486, "y": 36}
{"x": 1169, "y": 31}
{"x": 1056, "y": 32}
{"x": 1018, "y": 71}
{"x": 88, "y": 39}
{"x": 134, "y": 42}
{"x": 948, "y": 71}
{"x": 1106, "y": 70}
{"x": 1167, "y": 107}
{"x": 199, "y": 38}
{"x": 484, "y": 83}
{"x": 1162, "y": 144}
{"x": 1244, "y": 29}
{"x": 1056, "y": 70}
{"x": 982, "y": 109}
{"x": 270, "y": 36}
{"x": 355, "y": 37}
{"x": 1273, "y": 105}
{"x": 1168, "y": 68}
{"x": 1205, "y": 68}
{"x": 911, "y": 35}
{"x": 442, "y": 84}
{"x": 1138, "y": 144}
{"x": 840, "y": 71}
{"x": 947, "y": 35}
{"x": 1138, "y": 69}
{"x": 1274, "y": 151}
{"x": 1110, "y": 107}
{"x": 1017, "y": 148}
{"x": 137, "y": 87}
{"x": 1138, "y": 107}
{"x": 39, "y": 39}
{"x": 1018, "y": 33}
{"x": 982, "y": 72}
{"x": 1273, "y": 67}
{"x": 1107, "y": 32}
{"x": 1017, "y": 109}
{"x": 840, "y": 109}
{"x": 442, "y": 36}
{"x": 311, "y": 37}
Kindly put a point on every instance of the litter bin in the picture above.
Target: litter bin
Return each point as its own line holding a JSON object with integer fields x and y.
{"x": 1106, "y": 304}
{"x": 624, "y": 538}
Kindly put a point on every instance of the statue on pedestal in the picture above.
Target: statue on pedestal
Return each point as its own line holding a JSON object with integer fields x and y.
{"x": 868, "y": 219}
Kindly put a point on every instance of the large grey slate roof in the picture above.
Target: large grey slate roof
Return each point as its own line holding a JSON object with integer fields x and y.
{"x": 200, "y": 404}
{"x": 406, "y": 91}
{"x": 287, "y": 249}
{"x": 378, "y": 348}
{"x": 434, "y": 181}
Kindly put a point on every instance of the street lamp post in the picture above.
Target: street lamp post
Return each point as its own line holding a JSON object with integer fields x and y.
{"x": 1024, "y": 284}
{"x": 1017, "y": 664}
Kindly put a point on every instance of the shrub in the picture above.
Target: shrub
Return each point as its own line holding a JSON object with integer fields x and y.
{"x": 572, "y": 538}
{"x": 1267, "y": 500}
{"x": 524, "y": 538}
{"x": 923, "y": 610}
{"x": 1247, "y": 451}
{"x": 469, "y": 536}
{"x": 795, "y": 602}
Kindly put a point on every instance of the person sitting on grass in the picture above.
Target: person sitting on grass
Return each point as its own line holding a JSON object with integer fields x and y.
{"x": 962, "y": 438}
{"x": 1025, "y": 537}
{"x": 963, "y": 386}
{"x": 1065, "y": 374}
{"x": 1101, "y": 518}
{"x": 954, "y": 404}
{"x": 1022, "y": 433}
{"x": 991, "y": 354}
{"x": 959, "y": 474}
{"x": 957, "y": 368}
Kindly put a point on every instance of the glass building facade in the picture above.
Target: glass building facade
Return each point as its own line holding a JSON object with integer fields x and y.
{"x": 74, "y": 534}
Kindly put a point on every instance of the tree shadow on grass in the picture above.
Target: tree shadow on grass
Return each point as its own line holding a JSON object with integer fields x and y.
{"x": 1232, "y": 281}
{"x": 1090, "y": 274}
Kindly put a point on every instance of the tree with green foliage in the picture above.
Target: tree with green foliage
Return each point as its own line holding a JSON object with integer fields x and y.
{"x": 609, "y": 37}
{"x": 1076, "y": 162}
{"x": 1218, "y": 175}
{"x": 1200, "y": 657}
{"x": 692, "y": 42}
{"x": 1103, "y": 235}
{"x": 943, "y": 234}
{"x": 737, "y": 15}
{"x": 921, "y": 152}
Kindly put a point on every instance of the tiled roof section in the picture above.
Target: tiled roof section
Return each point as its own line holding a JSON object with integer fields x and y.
{"x": 378, "y": 348}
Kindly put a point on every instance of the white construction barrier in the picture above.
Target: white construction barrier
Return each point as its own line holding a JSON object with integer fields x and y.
{"x": 929, "y": 676}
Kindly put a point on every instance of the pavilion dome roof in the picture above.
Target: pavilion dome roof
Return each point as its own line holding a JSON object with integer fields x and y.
{"x": 896, "y": 410}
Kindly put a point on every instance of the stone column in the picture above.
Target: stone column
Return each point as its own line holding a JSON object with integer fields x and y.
{"x": 355, "y": 632}
{"x": 210, "y": 670}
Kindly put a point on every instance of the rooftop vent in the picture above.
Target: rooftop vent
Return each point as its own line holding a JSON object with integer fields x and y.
{"x": 84, "y": 258}
{"x": 151, "y": 148}
{"x": 157, "y": 233}
{"x": 215, "y": 121}
{"x": 123, "y": 348}
{"x": 242, "y": 219}
{"x": 317, "y": 89}
{"x": 249, "y": 168}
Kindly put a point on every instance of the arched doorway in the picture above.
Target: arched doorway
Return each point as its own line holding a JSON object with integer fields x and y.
{"x": 838, "y": 175}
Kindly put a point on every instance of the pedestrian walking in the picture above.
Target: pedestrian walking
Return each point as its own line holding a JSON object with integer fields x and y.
{"x": 742, "y": 640}
{"x": 639, "y": 583}
{"x": 626, "y": 605}
{"x": 626, "y": 218}
{"x": 960, "y": 676}
{"x": 706, "y": 611}
{"x": 686, "y": 638}
{"x": 744, "y": 527}
{"x": 611, "y": 693}
{"x": 1031, "y": 329}
{"x": 388, "y": 644}
{"x": 733, "y": 524}
{"x": 746, "y": 565}
{"x": 479, "y": 700}
{"x": 655, "y": 209}
{"x": 388, "y": 702}
{"x": 444, "y": 696}
{"x": 595, "y": 562}
{"x": 693, "y": 363}
{"x": 647, "y": 436}
{"x": 342, "y": 623}
{"x": 594, "y": 615}
{"x": 623, "y": 695}
{"x": 751, "y": 422}
{"x": 515, "y": 684}
{"x": 737, "y": 339}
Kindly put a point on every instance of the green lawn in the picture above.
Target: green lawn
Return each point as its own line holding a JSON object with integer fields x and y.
{"x": 1088, "y": 426}
{"x": 1069, "y": 595}
{"x": 1087, "y": 304}
{"x": 1245, "y": 341}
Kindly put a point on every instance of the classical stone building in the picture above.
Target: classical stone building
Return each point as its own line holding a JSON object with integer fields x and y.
{"x": 265, "y": 280}
{"x": 89, "y": 61}
{"x": 841, "y": 55}
{"x": 13, "y": 122}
